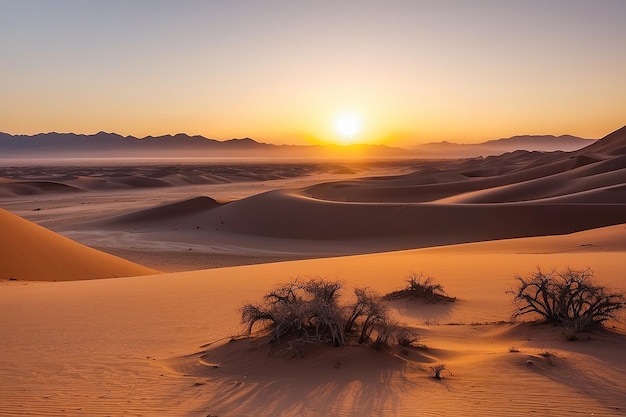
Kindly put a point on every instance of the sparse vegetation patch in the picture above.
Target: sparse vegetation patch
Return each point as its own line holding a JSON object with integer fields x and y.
{"x": 421, "y": 288}
{"x": 569, "y": 299}
{"x": 310, "y": 311}
{"x": 438, "y": 371}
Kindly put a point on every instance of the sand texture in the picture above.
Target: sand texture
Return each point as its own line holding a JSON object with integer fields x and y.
{"x": 141, "y": 342}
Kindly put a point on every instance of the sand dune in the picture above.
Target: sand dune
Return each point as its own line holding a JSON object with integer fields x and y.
{"x": 30, "y": 252}
{"x": 447, "y": 180}
{"x": 120, "y": 175}
{"x": 570, "y": 182}
{"x": 515, "y": 195}
{"x": 151, "y": 345}
{"x": 161, "y": 214}
{"x": 612, "y": 144}
{"x": 17, "y": 188}
{"x": 295, "y": 217}
{"x": 519, "y": 176}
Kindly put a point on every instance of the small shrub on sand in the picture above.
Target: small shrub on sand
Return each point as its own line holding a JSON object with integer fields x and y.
{"x": 308, "y": 309}
{"x": 438, "y": 371}
{"x": 569, "y": 299}
{"x": 310, "y": 312}
{"x": 424, "y": 289}
{"x": 406, "y": 336}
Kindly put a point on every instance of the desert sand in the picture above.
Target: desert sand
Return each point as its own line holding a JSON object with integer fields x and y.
{"x": 153, "y": 336}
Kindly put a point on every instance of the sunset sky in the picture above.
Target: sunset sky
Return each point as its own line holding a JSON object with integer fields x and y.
{"x": 301, "y": 72}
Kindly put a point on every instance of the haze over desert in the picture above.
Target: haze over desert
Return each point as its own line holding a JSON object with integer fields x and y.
{"x": 311, "y": 209}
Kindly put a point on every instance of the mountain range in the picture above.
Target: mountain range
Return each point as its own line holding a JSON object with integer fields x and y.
{"x": 543, "y": 143}
{"x": 103, "y": 144}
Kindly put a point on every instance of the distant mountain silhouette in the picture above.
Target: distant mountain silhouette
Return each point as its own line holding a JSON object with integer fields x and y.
{"x": 103, "y": 144}
{"x": 73, "y": 143}
{"x": 543, "y": 143}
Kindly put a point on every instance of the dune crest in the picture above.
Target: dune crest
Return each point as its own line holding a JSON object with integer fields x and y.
{"x": 612, "y": 144}
{"x": 162, "y": 213}
{"x": 30, "y": 252}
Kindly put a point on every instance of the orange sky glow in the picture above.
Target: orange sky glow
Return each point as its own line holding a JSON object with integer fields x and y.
{"x": 284, "y": 72}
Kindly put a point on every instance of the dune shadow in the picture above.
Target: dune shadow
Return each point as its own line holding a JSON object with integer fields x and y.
{"x": 594, "y": 361}
{"x": 251, "y": 377}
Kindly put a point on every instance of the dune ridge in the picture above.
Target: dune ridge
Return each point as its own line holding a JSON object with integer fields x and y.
{"x": 30, "y": 252}
{"x": 160, "y": 213}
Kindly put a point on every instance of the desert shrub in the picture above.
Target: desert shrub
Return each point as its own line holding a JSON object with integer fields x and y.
{"x": 425, "y": 289}
{"x": 385, "y": 332}
{"x": 406, "y": 336}
{"x": 569, "y": 299}
{"x": 306, "y": 309}
{"x": 368, "y": 314}
{"x": 310, "y": 312}
{"x": 437, "y": 371}
{"x": 364, "y": 306}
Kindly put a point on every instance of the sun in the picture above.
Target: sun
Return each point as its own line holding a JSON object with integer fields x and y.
{"x": 348, "y": 125}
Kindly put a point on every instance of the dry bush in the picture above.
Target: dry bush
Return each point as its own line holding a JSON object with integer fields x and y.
{"x": 438, "y": 371}
{"x": 310, "y": 312}
{"x": 385, "y": 332}
{"x": 308, "y": 309}
{"x": 367, "y": 315}
{"x": 569, "y": 299}
{"x": 406, "y": 336}
{"x": 365, "y": 305}
{"x": 424, "y": 289}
